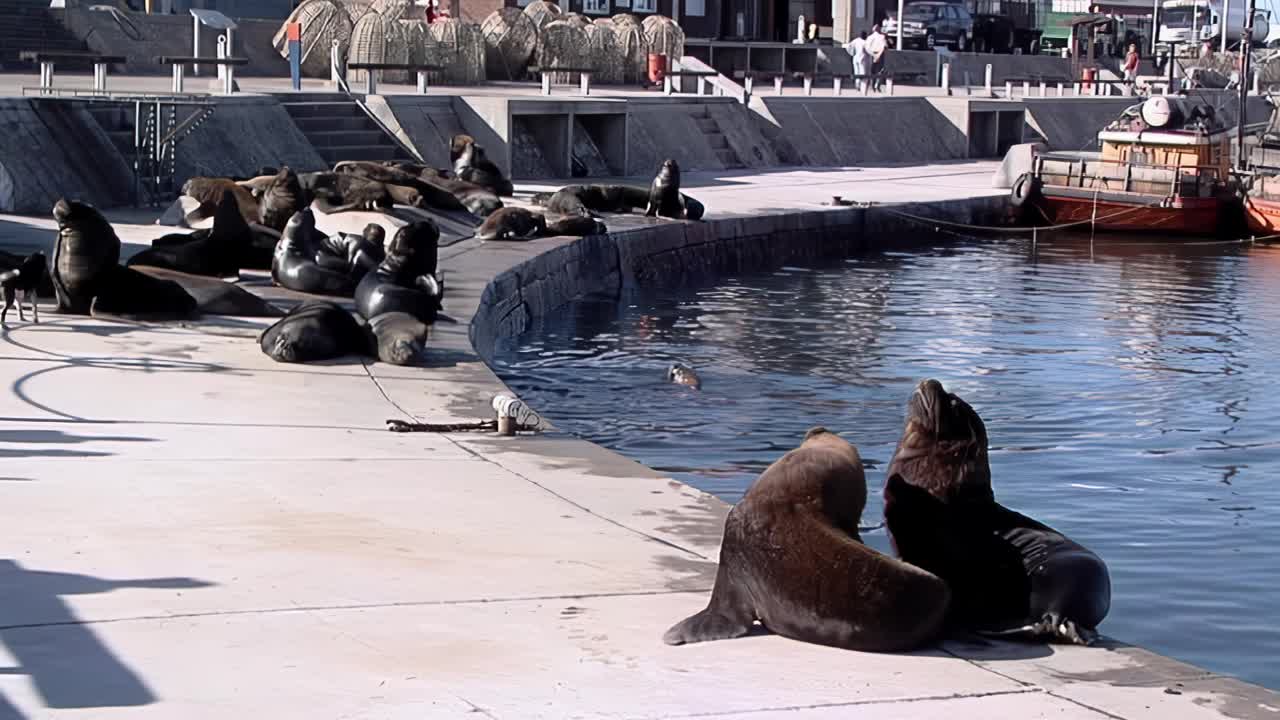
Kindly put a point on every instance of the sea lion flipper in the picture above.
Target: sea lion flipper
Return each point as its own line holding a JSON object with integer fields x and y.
{"x": 727, "y": 616}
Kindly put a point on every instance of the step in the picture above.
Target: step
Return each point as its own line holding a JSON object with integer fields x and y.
{"x": 729, "y": 159}
{"x": 717, "y": 141}
{"x": 333, "y": 155}
{"x": 309, "y": 125}
{"x": 706, "y": 123}
{"x": 349, "y": 138}
{"x": 324, "y": 109}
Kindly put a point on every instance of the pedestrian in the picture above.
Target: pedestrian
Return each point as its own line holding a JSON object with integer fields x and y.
{"x": 877, "y": 47}
{"x": 857, "y": 48}
{"x": 1131, "y": 68}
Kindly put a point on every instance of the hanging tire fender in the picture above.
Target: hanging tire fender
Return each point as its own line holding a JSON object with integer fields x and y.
{"x": 1025, "y": 189}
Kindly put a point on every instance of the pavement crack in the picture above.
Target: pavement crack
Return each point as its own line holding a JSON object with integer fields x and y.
{"x": 356, "y": 606}
{"x": 854, "y": 703}
{"x": 364, "y": 364}
{"x": 476, "y": 708}
{"x": 578, "y": 505}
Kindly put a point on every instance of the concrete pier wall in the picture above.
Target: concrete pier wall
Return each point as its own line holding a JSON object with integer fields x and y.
{"x": 676, "y": 254}
{"x": 243, "y": 134}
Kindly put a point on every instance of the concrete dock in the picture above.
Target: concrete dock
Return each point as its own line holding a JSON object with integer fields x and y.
{"x": 195, "y": 531}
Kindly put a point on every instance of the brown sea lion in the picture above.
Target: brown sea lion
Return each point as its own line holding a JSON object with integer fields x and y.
{"x": 1008, "y": 573}
{"x": 512, "y": 223}
{"x": 473, "y": 166}
{"x": 575, "y": 226}
{"x": 457, "y": 144}
{"x": 681, "y": 374}
{"x": 792, "y": 559}
{"x": 587, "y": 199}
{"x": 479, "y": 201}
{"x": 341, "y": 192}
{"x": 431, "y": 194}
{"x": 279, "y": 197}
{"x": 208, "y": 191}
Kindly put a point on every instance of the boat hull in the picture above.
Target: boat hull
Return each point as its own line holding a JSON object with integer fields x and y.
{"x": 1183, "y": 216}
{"x": 1262, "y": 215}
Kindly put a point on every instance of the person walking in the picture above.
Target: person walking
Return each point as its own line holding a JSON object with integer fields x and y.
{"x": 1131, "y": 68}
{"x": 857, "y": 48}
{"x": 877, "y": 46}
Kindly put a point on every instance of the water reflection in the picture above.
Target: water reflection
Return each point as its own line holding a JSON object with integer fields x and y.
{"x": 1125, "y": 388}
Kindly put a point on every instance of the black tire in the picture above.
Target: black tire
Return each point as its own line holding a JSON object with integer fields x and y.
{"x": 1025, "y": 189}
{"x": 929, "y": 41}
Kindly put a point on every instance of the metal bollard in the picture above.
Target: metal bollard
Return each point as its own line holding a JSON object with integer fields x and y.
{"x": 1044, "y": 89}
{"x": 178, "y": 69}
{"x": 584, "y": 83}
{"x": 747, "y": 84}
{"x": 946, "y": 78}
{"x": 666, "y": 86}
{"x": 1060, "y": 90}
{"x": 46, "y": 75}
{"x": 777, "y": 84}
{"x": 1008, "y": 89}
{"x": 988, "y": 80}
{"x": 222, "y": 53}
{"x": 100, "y": 77}
{"x": 836, "y": 86}
{"x": 370, "y": 82}
{"x": 335, "y": 63}
{"x": 1026, "y": 88}
{"x": 546, "y": 83}
{"x": 808, "y": 85}
{"x": 888, "y": 83}
{"x": 422, "y": 82}
{"x": 702, "y": 84}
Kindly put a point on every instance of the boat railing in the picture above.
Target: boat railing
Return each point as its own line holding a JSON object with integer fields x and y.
{"x": 1128, "y": 176}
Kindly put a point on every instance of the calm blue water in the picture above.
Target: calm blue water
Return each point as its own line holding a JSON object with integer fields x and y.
{"x": 1129, "y": 399}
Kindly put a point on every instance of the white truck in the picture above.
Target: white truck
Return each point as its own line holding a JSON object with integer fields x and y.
{"x": 1194, "y": 21}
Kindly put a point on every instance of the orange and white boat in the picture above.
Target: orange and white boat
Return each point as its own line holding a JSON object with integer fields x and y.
{"x": 1262, "y": 198}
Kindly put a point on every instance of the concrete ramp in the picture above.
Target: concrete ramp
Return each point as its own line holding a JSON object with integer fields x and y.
{"x": 1072, "y": 123}
{"x": 835, "y": 132}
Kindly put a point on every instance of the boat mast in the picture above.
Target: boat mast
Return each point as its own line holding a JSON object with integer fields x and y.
{"x": 1246, "y": 49}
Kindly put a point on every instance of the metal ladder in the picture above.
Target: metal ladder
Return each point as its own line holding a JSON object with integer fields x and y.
{"x": 156, "y": 134}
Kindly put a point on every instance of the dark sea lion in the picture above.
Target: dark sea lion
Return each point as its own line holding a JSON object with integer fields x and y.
{"x": 214, "y": 296}
{"x": 340, "y": 192}
{"x": 792, "y": 559}
{"x": 314, "y": 330}
{"x": 208, "y": 191}
{"x": 86, "y": 247}
{"x": 575, "y": 226}
{"x": 479, "y": 201}
{"x": 127, "y": 294}
{"x": 681, "y": 374}
{"x": 471, "y": 165}
{"x": 587, "y": 199}
{"x": 294, "y": 265}
{"x": 215, "y": 253}
{"x": 400, "y": 337}
{"x": 665, "y": 199}
{"x": 354, "y": 255}
{"x": 25, "y": 279}
{"x": 512, "y": 223}
{"x": 405, "y": 281}
{"x": 430, "y": 194}
{"x": 1009, "y": 574}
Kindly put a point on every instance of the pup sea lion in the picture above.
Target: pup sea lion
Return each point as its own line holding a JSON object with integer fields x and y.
{"x": 575, "y": 226}
{"x": 1008, "y": 573}
{"x": 214, "y": 296}
{"x": 792, "y": 559}
{"x": 314, "y": 330}
{"x": 216, "y": 253}
{"x": 400, "y": 337}
{"x": 294, "y": 265}
{"x": 512, "y": 223}
{"x": 665, "y": 199}
{"x": 682, "y": 374}
{"x": 88, "y": 279}
{"x": 473, "y": 166}
{"x": 405, "y": 281}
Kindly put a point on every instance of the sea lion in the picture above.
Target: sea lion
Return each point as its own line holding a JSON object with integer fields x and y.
{"x": 340, "y": 192}
{"x": 214, "y": 296}
{"x": 294, "y": 265}
{"x": 512, "y": 223}
{"x": 575, "y": 226}
{"x": 479, "y": 201}
{"x": 1009, "y": 574}
{"x": 473, "y": 166}
{"x": 457, "y": 144}
{"x": 587, "y": 199}
{"x": 314, "y": 330}
{"x": 216, "y": 253}
{"x": 279, "y": 197}
{"x": 665, "y": 199}
{"x": 400, "y": 337}
{"x": 208, "y": 192}
{"x": 25, "y": 279}
{"x": 405, "y": 281}
{"x": 681, "y": 374}
{"x": 354, "y": 255}
{"x": 87, "y": 277}
{"x": 430, "y": 194}
{"x": 792, "y": 559}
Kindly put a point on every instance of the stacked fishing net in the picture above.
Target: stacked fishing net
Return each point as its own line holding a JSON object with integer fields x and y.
{"x": 542, "y": 13}
{"x": 664, "y": 36}
{"x": 604, "y": 54}
{"x": 633, "y": 47}
{"x": 576, "y": 19}
{"x": 369, "y": 44}
{"x": 422, "y": 47}
{"x": 399, "y": 47}
{"x": 510, "y": 39}
{"x": 323, "y": 21}
{"x": 356, "y": 8}
{"x": 563, "y": 44}
{"x": 462, "y": 51}
{"x": 390, "y": 9}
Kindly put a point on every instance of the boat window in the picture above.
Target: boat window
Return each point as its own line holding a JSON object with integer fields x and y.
{"x": 1181, "y": 16}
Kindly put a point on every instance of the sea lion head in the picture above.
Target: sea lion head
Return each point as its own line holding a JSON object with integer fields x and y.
{"x": 284, "y": 348}
{"x": 682, "y": 374}
{"x": 375, "y": 233}
{"x": 413, "y": 249}
{"x": 280, "y": 199}
{"x": 944, "y": 446}
{"x": 69, "y": 213}
{"x": 670, "y": 170}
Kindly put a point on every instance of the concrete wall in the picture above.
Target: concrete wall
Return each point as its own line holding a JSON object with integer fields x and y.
{"x": 425, "y": 123}
{"x": 1002, "y": 66}
{"x": 673, "y": 129}
{"x": 51, "y": 149}
{"x": 245, "y": 133}
{"x": 680, "y": 253}
{"x": 842, "y": 132}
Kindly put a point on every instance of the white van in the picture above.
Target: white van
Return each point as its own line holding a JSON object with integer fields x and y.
{"x": 1193, "y": 21}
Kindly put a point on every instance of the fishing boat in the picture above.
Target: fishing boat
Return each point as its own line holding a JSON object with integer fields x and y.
{"x": 1164, "y": 166}
{"x": 1262, "y": 197}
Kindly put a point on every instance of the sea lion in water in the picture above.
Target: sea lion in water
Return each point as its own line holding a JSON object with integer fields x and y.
{"x": 294, "y": 265}
{"x": 1009, "y": 574}
{"x": 792, "y": 559}
{"x": 400, "y": 337}
{"x": 681, "y": 374}
{"x": 473, "y": 166}
{"x": 314, "y": 330}
{"x": 405, "y": 281}
{"x": 88, "y": 279}
{"x": 216, "y": 253}
{"x": 665, "y": 199}
{"x": 512, "y": 223}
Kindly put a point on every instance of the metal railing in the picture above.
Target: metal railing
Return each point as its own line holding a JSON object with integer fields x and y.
{"x": 1183, "y": 180}
{"x": 338, "y": 75}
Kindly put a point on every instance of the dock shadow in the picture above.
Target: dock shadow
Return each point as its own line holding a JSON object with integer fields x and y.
{"x": 69, "y": 666}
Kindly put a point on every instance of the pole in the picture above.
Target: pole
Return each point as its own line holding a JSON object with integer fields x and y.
{"x": 899, "y": 41}
{"x": 1224, "y": 19}
{"x": 1155, "y": 25}
{"x": 1246, "y": 48}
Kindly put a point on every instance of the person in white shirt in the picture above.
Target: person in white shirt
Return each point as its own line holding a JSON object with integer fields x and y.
{"x": 876, "y": 46}
{"x": 857, "y": 47}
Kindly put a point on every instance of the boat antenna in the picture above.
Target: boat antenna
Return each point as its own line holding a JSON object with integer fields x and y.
{"x": 1246, "y": 50}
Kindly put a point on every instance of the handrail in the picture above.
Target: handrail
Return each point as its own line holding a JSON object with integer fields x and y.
{"x": 346, "y": 89}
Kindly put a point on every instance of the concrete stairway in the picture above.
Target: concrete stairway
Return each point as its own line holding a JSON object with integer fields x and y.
{"x": 30, "y": 25}
{"x": 718, "y": 142}
{"x": 338, "y": 129}
{"x": 116, "y": 120}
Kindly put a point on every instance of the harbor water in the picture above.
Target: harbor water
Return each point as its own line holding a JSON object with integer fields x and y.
{"x": 1128, "y": 390}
